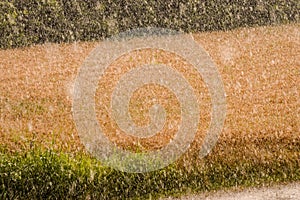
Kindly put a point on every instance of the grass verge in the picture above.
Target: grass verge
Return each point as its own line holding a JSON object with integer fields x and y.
{"x": 47, "y": 174}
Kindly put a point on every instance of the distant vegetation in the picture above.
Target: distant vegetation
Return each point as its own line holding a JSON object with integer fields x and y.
{"x": 27, "y": 22}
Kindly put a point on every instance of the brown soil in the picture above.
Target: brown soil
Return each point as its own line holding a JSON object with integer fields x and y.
{"x": 259, "y": 68}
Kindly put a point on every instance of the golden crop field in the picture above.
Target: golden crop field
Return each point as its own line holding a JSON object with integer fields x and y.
{"x": 260, "y": 69}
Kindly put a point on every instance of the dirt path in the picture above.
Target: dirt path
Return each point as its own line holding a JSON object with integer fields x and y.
{"x": 278, "y": 192}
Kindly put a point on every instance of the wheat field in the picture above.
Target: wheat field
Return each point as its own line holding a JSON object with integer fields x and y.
{"x": 259, "y": 67}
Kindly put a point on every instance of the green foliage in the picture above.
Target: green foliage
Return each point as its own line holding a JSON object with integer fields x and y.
{"x": 49, "y": 175}
{"x": 29, "y": 22}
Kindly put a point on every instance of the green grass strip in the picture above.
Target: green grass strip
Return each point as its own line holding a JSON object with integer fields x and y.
{"x": 38, "y": 174}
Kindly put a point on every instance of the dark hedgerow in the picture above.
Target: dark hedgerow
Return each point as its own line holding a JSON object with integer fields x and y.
{"x": 29, "y": 22}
